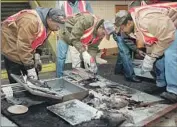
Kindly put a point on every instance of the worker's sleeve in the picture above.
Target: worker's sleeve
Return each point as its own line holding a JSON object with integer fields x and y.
{"x": 130, "y": 43}
{"x": 26, "y": 35}
{"x": 89, "y": 7}
{"x": 77, "y": 32}
{"x": 93, "y": 49}
{"x": 172, "y": 13}
{"x": 163, "y": 29}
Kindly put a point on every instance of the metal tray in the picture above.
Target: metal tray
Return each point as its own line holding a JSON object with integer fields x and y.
{"x": 74, "y": 111}
{"x": 65, "y": 90}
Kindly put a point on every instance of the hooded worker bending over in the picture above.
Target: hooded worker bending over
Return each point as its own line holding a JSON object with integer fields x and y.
{"x": 156, "y": 27}
{"x": 71, "y": 7}
{"x": 84, "y": 31}
{"x": 22, "y": 34}
{"x": 126, "y": 44}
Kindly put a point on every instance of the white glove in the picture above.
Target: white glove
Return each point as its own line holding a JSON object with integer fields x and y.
{"x": 87, "y": 58}
{"x": 32, "y": 73}
{"x": 38, "y": 62}
{"x": 147, "y": 64}
{"x": 100, "y": 60}
{"x": 89, "y": 62}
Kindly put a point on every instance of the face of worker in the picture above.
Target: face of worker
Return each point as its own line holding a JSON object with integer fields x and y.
{"x": 128, "y": 28}
{"x": 101, "y": 32}
{"x": 53, "y": 25}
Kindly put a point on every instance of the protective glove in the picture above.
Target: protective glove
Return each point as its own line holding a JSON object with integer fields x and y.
{"x": 31, "y": 73}
{"x": 38, "y": 62}
{"x": 87, "y": 58}
{"x": 147, "y": 64}
{"x": 89, "y": 62}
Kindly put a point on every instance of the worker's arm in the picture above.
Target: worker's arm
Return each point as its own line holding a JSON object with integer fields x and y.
{"x": 93, "y": 49}
{"x": 89, "y": 7}
{"x": 172, "y": 13}
{"x": 78, "y": 30}
{"x": 131, "y": 44}
{"x": 27, "y": 29}
{"x": 128, "y": 41}
{"x": 163, "y": 29}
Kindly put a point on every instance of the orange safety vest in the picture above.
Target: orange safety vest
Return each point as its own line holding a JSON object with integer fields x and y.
{"x": 68, "y": 8}
{"x": 163, "y": 8}
{"x": 41, "y": 34}
{"x": 88, "y": 37}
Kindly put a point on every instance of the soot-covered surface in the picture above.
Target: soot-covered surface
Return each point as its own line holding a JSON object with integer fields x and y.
{"x": 39, "y": 116}
{"x": 107, "y": 71}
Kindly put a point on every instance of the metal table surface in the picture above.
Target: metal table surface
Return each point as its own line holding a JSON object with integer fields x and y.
{"x": 141, "y": 117}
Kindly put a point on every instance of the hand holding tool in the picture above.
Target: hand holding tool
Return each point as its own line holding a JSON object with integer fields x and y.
{"x": 31, "y": 73}
{"x": 38, "y": 62}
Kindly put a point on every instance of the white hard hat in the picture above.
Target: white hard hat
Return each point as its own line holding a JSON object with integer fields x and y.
{"x": 109, "y": 28}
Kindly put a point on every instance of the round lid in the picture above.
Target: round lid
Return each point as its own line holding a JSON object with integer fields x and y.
{"x": 17, "y": 109}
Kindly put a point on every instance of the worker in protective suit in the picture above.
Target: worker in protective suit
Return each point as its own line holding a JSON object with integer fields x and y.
{"x": 156, "y": 27}
{"x": 70, "y": 7}
{"x": 84, "y": 31}
{"x": 126, "y": 44}
{"x": 22, "y": 34}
